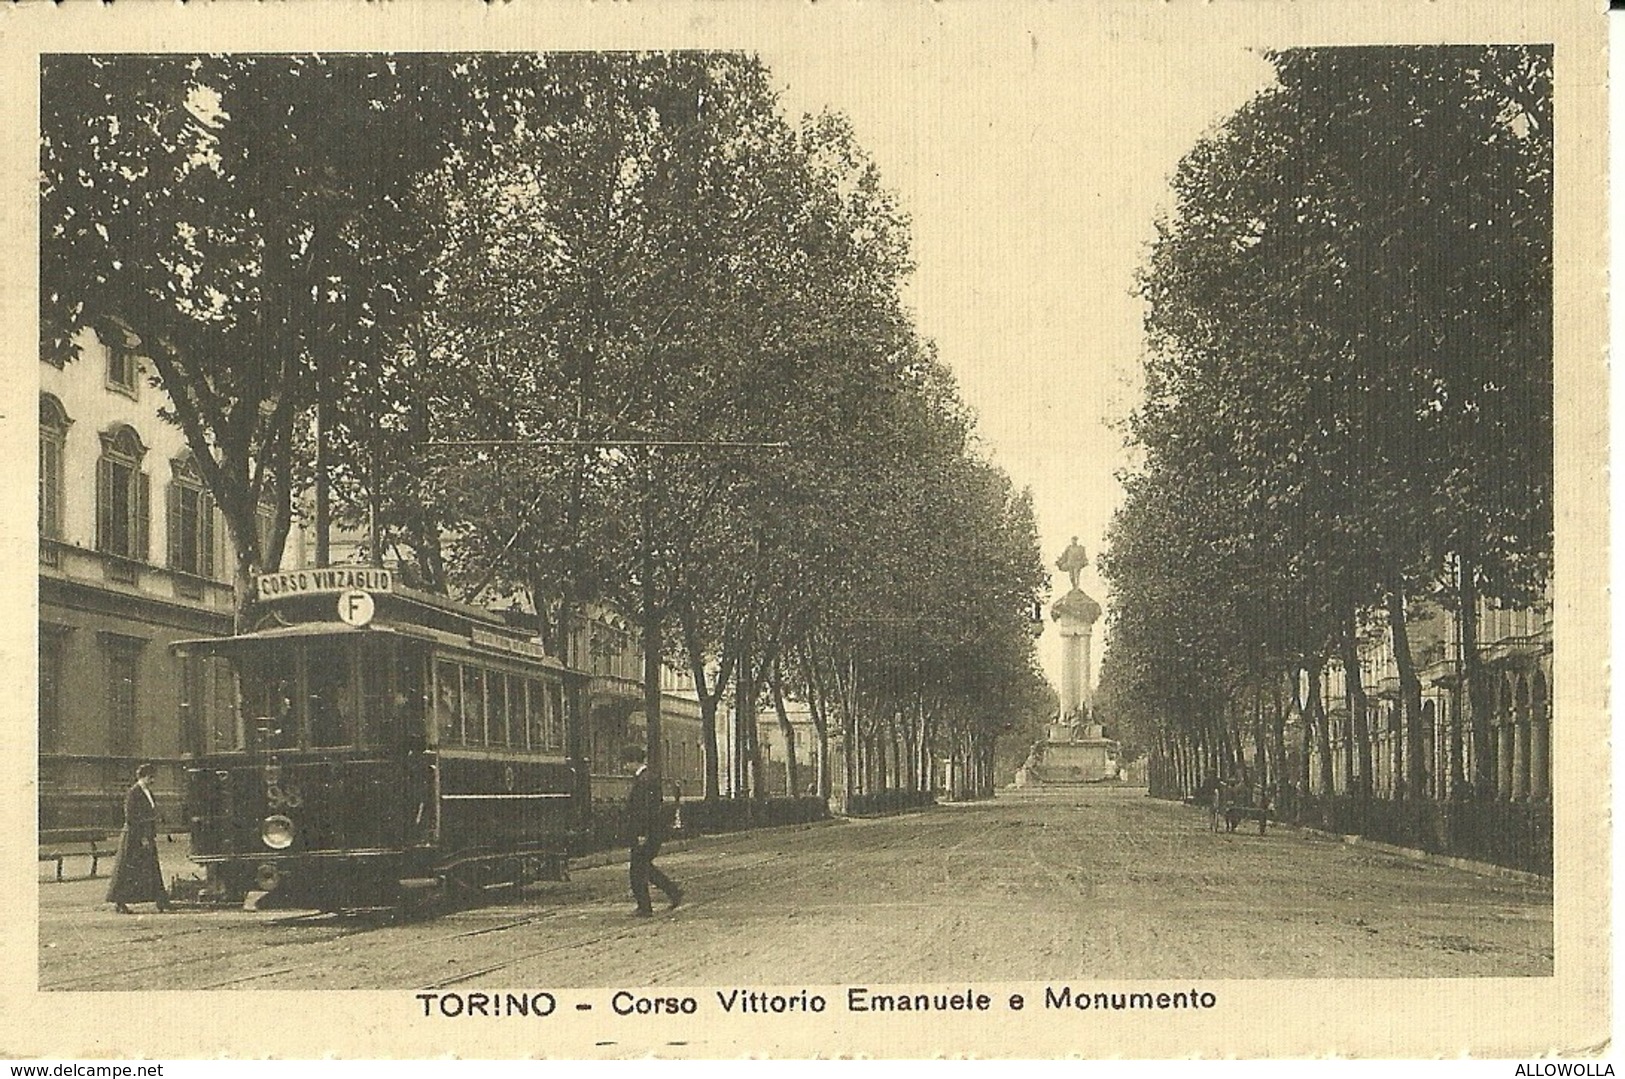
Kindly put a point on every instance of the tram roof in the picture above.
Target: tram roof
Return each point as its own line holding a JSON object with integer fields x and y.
{"x": 225, "y": 645}
{"x": 208, "y": 645}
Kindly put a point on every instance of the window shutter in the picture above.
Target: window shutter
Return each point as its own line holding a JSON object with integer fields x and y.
{"x": 104, "y": 504}
{"x": 143, "y": 522}
{"x": 50, "y": 472}
{"x": 205, "y": 537}
{"x": 172, "y": 526}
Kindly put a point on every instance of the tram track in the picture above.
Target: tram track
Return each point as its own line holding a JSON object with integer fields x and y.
{"x": 319, "y": 933}
{"x": 259, "y": 944}
{"x": 405, "y": 945}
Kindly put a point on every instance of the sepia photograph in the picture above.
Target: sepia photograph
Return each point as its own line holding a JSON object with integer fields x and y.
{"x": 1025, "y": 531}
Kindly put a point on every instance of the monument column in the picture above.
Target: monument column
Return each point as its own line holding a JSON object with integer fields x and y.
{"x": 1075, "y": 749}
{"x": 1075, "y": 616}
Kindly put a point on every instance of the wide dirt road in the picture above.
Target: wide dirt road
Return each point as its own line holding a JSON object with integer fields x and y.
{"x": 1093, "y": 883}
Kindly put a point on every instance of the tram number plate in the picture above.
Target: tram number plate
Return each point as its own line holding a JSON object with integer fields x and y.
{"x": 280, "y": 797}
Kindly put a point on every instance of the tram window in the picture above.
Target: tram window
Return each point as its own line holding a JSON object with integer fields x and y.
{"x": 331, "y": 694}
{"x": 535, "y": 715}
{"x": 380, "y": 723}
{"x": 518, "y": 713}
{"x": 448, "y": 706}
{"x": 556, "y": 718}
{"x": 473, "y": 706}
{"x": 408, "y": 699}
{"x": 270, "y": 693}
{"x": 496, "y": 708}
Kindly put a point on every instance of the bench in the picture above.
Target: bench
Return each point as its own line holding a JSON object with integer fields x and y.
{"x": 55, "y": 844}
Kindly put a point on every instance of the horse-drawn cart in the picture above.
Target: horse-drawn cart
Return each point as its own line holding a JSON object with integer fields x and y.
{"x": 1234, "y": 802}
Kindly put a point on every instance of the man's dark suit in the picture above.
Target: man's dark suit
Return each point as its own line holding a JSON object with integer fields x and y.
{"x": 646, "y": 825}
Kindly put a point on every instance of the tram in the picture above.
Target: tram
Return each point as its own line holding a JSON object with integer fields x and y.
{"x": 390, "y": 744}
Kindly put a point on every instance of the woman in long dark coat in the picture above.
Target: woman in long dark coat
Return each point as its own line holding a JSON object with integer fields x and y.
{"x": 136, "y": 876}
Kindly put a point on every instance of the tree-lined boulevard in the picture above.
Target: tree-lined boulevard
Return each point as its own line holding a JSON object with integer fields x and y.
{"x": 1347, "y": 423}
{"x": 608, "y": 328}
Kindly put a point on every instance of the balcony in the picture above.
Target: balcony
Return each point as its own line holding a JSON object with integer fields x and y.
{"x": 602, "y": 687}
{"x": 115, "y": 575}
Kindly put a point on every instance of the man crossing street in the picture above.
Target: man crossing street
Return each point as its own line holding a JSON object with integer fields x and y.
{"x": 646, "y": 827}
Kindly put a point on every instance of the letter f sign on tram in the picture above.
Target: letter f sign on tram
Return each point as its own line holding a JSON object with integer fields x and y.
{"x": 355, "y": 607}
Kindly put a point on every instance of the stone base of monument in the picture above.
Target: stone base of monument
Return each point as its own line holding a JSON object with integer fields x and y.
{"x": 1087, "y": 760}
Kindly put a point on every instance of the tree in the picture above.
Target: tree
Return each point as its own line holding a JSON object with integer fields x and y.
{"x": 1352, "y": 293}
{"x": 251, "y": 224}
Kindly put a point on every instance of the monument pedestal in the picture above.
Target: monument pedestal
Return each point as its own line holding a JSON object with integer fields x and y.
{"x": 1070, "y": 754}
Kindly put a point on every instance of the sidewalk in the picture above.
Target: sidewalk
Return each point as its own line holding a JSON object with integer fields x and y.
{"x": 78, "y": 888}
{"x": 1487, "y": 869}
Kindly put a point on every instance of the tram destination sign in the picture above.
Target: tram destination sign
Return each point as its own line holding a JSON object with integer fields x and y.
{"x": 316, "y": 582}
{"x": 486, "y": 639}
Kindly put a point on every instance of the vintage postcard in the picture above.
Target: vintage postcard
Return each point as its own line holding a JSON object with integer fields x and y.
{"x": 1041, "y": 530}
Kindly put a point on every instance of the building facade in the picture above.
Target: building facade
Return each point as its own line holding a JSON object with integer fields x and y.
{"x": 133, "y": 555}
{"x": 1515, "y": 647}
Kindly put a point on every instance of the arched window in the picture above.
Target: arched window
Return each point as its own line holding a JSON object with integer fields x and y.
{"x": 123, "y": 514}
{"x": 189, "y": 522}
{"x": 53, "y": 439}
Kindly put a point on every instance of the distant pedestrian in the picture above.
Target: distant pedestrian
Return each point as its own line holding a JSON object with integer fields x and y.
{"x": 646, "y": 828}
{"x": 136, "y": 876}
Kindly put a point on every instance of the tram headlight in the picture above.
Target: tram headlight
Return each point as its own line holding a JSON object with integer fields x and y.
{"x": 277, "y": 832}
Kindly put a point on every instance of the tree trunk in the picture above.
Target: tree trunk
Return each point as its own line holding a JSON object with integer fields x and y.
{"x": 1306, "y": 734}
{"x": 1359, "y": 708}
{"x": 652, "y": 652}
{"x": 922, "y": 738}
{"x": 792, "y": 778}
{"x": 1277, "y": 734}
{"x": 899, "y": 756}
{"x": 1260, "y": 740}
{"x": 1238, "y": 744}
{"x": 1480, "y": 703}
{"x": 242, "y": 580}
{"x": 1458, "y": 782}
{"x": 817, "y": 707}
{"x": 845, "y": 690}
{"x": 710, "y": 699}
{"x": 1323, "y": 734}
{"x": 1408, "y": 758}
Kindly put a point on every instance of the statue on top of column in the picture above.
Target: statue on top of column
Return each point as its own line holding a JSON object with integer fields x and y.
{"x": 1072, "y": 561}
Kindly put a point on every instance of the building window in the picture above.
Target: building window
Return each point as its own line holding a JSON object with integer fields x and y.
{"x": 123, "y": 669}
{"x": 53, "y": 647}
{"x": 190, "y": 521}
{"x": 53, "y": 437}
{"x": 122, "y": 497}
{"x": 123, "y": 370}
